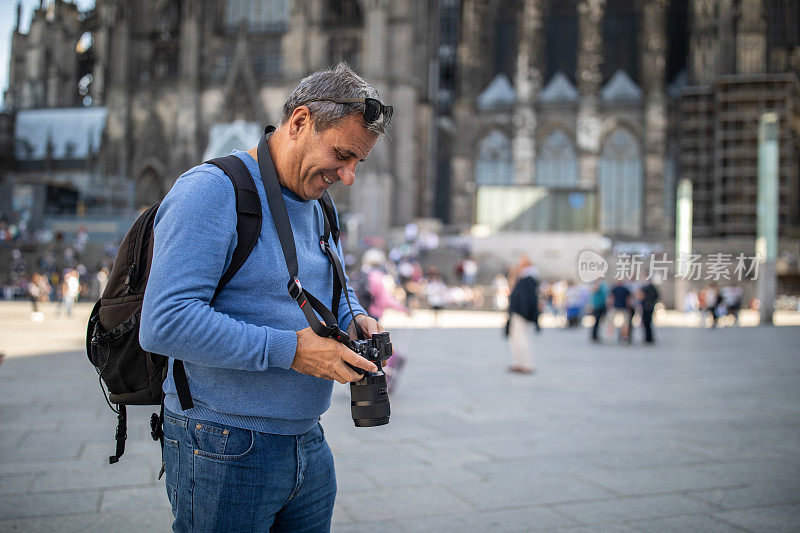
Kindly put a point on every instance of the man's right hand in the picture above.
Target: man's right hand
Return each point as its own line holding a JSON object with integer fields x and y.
{"x": 326, "y": 358}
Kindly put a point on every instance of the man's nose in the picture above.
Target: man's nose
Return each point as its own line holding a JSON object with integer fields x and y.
{"x": 347, "y": 174}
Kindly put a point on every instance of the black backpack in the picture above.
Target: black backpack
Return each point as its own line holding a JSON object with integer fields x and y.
{"x": 132, "y": 375}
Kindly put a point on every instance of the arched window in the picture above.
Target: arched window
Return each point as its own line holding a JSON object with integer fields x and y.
{"x": 343, "y": 13}
{"x": 494, "y": 165}
{"x": 561, "y": 39}
{"x": 344, "y": 22}
{"x": 620, "y": 39}
{"x": 557, "y": 165}
{"x": 620, "y": 185}
{"x": 504, "y": 37}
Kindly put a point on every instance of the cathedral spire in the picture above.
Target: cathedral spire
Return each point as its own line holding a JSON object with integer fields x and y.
{"x": 19, "y": 14}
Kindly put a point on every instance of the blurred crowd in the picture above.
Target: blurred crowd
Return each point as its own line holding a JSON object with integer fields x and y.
{"x": 405, "y": 275}
{"x": 422, "y": 269}
{"x": 52, "y": 269}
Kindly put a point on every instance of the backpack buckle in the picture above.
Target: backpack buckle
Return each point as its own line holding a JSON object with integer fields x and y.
{"x": 156, "y": 429}
{"x": 295, "y": 289}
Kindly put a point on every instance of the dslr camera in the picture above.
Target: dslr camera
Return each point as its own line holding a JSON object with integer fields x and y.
{"x": 369, "y": 398}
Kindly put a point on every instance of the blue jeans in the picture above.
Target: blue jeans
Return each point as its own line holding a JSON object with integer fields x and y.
{"x": 222, "y": 478}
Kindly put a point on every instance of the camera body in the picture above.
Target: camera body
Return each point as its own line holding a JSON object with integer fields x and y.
{"x": 369, "y": 397}
{"x": 377, "y": 349}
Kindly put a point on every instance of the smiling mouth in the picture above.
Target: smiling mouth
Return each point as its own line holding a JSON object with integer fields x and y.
{"x": 328, "y": 181}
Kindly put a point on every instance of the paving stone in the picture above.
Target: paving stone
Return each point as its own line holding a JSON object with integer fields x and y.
{"x": 611, "y": 436}
{"x": 10, "y": 438}
{"x": 499, "y": 448}
{"x": 34, "y": 467}
{"x": 778, "y": 518}
{"x": 12, "y": 484}
{"x": 757, "y": 494}
{"x": 340, "y": 517}
{"x": 18, "y": 505}
{"x": 352, "y": 479}
{"x": 138, "y": 498}
{"x": 117, "y": 476}
{"x": 527, "y": 519}
{"x": 401, "y": 502}
{"x": 683, "y": 524}
{"x": 42, "y": 450}
{"x": 124, "y": 521}
{"x": 396, "y": 475}
{"x": 623, "y": 509}
{"x": 71, "y": 434}
{"x": 527, "y": 468}
{"x": 368, "y": 527}
{"x": 501, "y": 493}
{"x": 652, "y": 457}
{"x": 659, "y": 480}
{"x": 764, "y": 470}
{"x": 616, "y": 527}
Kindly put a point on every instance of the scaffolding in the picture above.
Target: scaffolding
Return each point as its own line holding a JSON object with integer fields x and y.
{"x": 719, "y": 151}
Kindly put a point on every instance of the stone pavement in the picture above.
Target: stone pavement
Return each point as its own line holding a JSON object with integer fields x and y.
{"x": 700, "y": 433}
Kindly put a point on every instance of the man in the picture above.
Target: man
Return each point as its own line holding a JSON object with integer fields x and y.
{"x": 648, "y": 299}
{"x": 599, "y": 297}
{"x": 251, "y": 455}
{"x": 523, "y": 309}
{"x": 621, "y": 302}
{"x": 70, "y": 290}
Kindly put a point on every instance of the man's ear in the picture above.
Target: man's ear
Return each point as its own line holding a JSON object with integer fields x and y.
{"x": 299, "y": 122}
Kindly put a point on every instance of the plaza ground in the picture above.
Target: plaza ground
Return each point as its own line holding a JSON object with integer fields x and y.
{"x": 699, "y": 433}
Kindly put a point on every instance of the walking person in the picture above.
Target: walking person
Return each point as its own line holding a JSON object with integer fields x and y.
{"x": 70, "y": 289}
{"x": 598, "y": 301}
{"x": 436, "y": 291}
{"x": 621, "y": 318}
{"x": 379, "y": 288}
{"x": 35, "y": 296}
{"x": 523, "y": 309}
{"x": 649, "y": 298}
{"x": 575, "y": 301}
{"x": 248, "y": 452}
{"x": 379, "y": 285}
{"x": 710, "y": 303}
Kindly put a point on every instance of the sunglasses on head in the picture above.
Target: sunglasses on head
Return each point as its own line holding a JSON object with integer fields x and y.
{"x": 373, "y": 108}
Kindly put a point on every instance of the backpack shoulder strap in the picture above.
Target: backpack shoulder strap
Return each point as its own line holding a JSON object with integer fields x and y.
{"x": 248, "y": 214}
{"x": 331, "y": 229}
{"x": 328, "y": 327}
{"x": 330, "y": 216}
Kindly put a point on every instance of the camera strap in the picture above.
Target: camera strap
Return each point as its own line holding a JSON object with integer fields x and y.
{"x": 309, "y": 304}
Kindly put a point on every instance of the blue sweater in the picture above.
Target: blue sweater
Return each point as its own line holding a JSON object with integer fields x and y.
{"x": 238, "y": 353}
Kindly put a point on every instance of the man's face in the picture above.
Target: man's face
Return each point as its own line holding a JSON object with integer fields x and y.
{"x": 331, "y": 155}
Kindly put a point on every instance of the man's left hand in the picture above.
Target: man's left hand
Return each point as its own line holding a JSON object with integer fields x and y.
{"x": 367, "y": 324}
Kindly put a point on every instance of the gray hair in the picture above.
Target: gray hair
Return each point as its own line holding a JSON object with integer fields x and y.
{"x": 337, "y": 82}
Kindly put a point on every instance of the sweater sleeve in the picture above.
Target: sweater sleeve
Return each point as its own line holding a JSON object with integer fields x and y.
{"x": 195, "y": 234}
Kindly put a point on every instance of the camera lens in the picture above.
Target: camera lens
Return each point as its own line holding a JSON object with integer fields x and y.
{"x": 369, "y": 400}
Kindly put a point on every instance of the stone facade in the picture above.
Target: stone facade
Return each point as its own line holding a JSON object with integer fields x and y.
{"x": 744, "y": 60}
{"x": 602, "y": 76}
{"x": 169, "y": 71}
{"x": 581, "y": 97}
